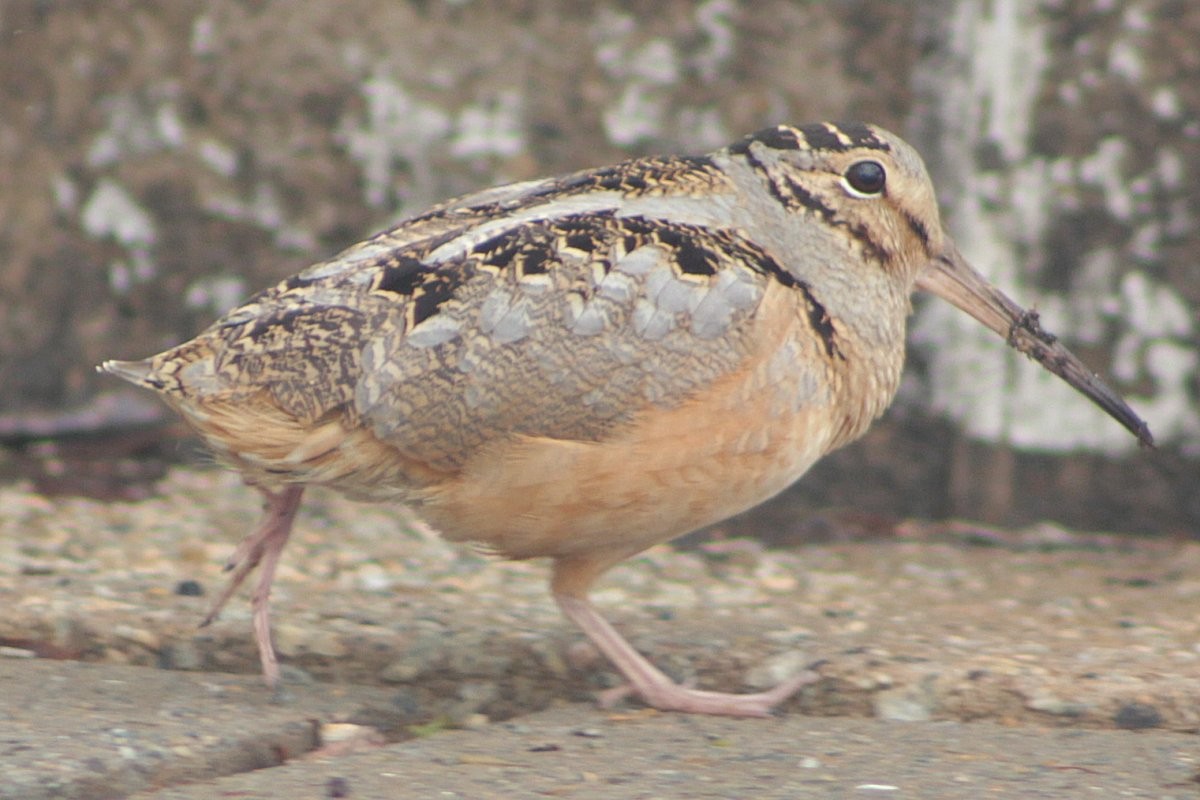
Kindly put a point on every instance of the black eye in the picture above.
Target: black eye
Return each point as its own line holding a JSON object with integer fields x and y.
{"x": 866, "y": 177}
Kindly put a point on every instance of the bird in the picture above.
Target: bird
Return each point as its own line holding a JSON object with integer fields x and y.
{"x": 580, "y": 367}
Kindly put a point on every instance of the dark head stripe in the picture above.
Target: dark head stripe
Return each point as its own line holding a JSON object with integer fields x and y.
{"x": 781, "y": 137}
{"x": 836, "y": 137}
{"x": 861, "y": 135}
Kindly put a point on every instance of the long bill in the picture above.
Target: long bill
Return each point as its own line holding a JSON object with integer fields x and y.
{"x": 951, "y": 278}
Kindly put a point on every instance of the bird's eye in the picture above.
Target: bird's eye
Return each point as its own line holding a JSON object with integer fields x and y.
{"x": 865, "y": 178}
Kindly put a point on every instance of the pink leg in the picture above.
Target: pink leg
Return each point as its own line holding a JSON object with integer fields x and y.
{"x": 265, "y": 544}
{"x": 656, "y": 688}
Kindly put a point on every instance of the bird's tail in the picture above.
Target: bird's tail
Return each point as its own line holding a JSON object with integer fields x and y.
{"x": 140, "y": 373}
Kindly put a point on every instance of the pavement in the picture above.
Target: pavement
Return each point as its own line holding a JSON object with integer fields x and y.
{"x": 77, "y": 730}
{"x": 954, "y": 661}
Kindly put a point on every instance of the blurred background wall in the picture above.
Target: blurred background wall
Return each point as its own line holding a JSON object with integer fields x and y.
{"x": 161, "y": 160}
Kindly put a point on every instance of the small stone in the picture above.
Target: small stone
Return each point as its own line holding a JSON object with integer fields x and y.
{"x": 420, "y": 653}
{"x": 189, "y": 588}
{"x": 1137, "y": 717}
{"x": 1049, "y": 703}
{"x": 292, "y": 675}
{"x": 476, "y": 694}
{"x": 145, "y": 638}
{"x": 180, "y": 655}
{"x": 676, "y": 596}
{"x": 402, "y": 670}
{"x": 372, "y": 577}
{"x": 882, "y": 680}
{"x": 468, "y": 712}
{"x": 340, "y": 733}
{"x": 337, "y": 786}
{"x": 903, "y": 705}
{"x": 478, "y": 661}
{"x": 293, "y": 640}
{"x": 406, "y": 702}
{"x": 475, "y": 722}
{"x": 776, "y": 577}
{"x": 16, "y": 652}
{"x": 582, "y": 655}
{"x": 588, "y": 733}
{"x": 776, "y": 669}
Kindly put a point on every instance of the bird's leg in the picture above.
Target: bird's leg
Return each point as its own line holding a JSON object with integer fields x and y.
{"x": 264, "y": 544}
{"x": 569, "y": 585}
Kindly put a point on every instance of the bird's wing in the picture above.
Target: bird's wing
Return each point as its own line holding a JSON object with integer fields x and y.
{"x": 553, "y": 309}
{"x": 561, "y": 328}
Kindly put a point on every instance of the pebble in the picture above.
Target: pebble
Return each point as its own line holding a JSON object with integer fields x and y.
{"x": 588, "y": 733}
{"x": 341, "y": 732}
{"x": 1137, "y": 717}
{"x": 189, "y": 588}
{"x": 1049, "y": 703}
{"x": 475, "y": 722}
{"x": 476, "y": 694}
{"x": 419, "y": 653}
{"x": 337, "y": 786}
{"x": 145, "y": 638}
{"x": 402, "y": 670}
{"x": 182, "y": 654}
{"x": 374, "y": 578}
{"x": 477, "y": 661}
{"x": 902, "y": 705}
{"x": 774, "y": 670}
{"x": 292, "y": 639}
{"x": 16, "y": 652}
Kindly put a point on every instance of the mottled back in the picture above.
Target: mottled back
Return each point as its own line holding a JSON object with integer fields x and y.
{"x": 561, "y": 308}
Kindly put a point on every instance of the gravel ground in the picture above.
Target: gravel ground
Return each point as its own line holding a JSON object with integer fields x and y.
{"x": 623, "y": 757}
{"x": 948, "y": 624}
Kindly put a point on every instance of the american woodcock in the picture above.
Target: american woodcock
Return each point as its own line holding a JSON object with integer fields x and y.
{"x": 580, "y": 367}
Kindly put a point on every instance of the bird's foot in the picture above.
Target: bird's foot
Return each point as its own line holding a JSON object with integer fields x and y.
{"x": 669, "y": 696}
{"x": 653, "y": 685}
{"x": 265, "y": 544}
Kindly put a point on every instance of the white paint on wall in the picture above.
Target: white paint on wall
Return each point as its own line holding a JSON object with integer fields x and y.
{"x": 1125, "y": 59}
{"x": 66, "y": 193}
{"x": 135, "y": 125}
{"x": 1000, "y": 214}
{"x": 715, "y": 21}
{"x": 637, "y": 115}
{"x": 215, "y": 293}
{"x": 110, "y": 211}
{"x": 396, "y": 133}
{"x": 699, "y": 130}
{"x": 490, "y": 129}
{"x": 1105, "y": 169}
{"x": 645, "y": 69}
{"x": 1165, "y": 103}
{"x": 648, "y": 71}
{"x": 265, "y": 210}
{"x": 217, "y": 156}
{"x": 204, "y": 36}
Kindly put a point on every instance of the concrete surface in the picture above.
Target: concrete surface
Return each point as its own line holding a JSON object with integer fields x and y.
{"x": 73, "y": 730}
{"x": 955, "y": 660}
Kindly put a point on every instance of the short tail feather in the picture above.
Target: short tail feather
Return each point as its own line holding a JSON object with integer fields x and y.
{"x": 136, "y": 372}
